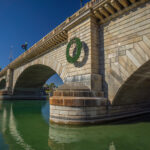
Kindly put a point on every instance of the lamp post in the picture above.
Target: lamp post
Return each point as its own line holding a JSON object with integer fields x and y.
{"x": 81, "y": 3}
{"x": 24, "y": 46}
{"x": 11, "y": 54}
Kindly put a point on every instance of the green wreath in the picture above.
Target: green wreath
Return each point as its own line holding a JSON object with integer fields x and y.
{"x": 78, "y": 47}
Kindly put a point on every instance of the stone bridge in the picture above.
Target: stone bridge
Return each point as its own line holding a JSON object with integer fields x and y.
{"x": 114, "y": 63}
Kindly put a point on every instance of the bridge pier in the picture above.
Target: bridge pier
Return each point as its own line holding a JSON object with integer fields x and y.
{"x": 75, "y": 103}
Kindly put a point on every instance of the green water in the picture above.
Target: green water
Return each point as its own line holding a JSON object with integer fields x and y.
{"x": 24, "y": 125}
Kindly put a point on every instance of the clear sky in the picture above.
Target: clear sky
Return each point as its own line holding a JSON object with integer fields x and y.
{"x": 30, "y": 20}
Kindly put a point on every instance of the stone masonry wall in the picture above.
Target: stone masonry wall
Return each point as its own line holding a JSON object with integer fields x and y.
{"x": 83, "y": 69}
{"x": 87, "y": 67}
{"x": 124, "y": 47}
{"x": 55, "y": 59}
{"x": 2, "y": 78}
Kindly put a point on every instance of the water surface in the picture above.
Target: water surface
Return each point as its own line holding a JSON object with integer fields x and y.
{"x": 24, "y": 125}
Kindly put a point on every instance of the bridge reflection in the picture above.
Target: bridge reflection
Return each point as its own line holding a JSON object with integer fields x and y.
{"x": 8, "y": 122}
{"x": 112, "y": 146}
{"x": 17, "y": 126}
{"x": 23, "y": 127}
{"x": 15, "y": 133}
{"x": 77, "y": 138}
{"x": 26, "y": 128}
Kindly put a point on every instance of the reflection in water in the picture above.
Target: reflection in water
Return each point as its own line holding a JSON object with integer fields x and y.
{"x": 61, "y": 134}
{"x": 76, "y": 138}
{"x": 4, "y": 120}
{"x": 71, "y": 138}
{"x": 24, "y": 126}
{"x": 45, "y": 112}
{"x": 0, "y": 105}
{"x": 15, "y": 133}
{"x": 112, "y": 146}
{"x": 124, "y": 136}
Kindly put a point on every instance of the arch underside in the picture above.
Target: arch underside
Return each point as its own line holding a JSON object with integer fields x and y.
{"x": 136, "y": 89}
{"x": 2, "y": 84}
{"x": 32, "y": 80}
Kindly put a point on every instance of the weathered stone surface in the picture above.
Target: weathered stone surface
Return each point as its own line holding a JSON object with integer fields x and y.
{"x": 125, "y": 43}
{"x": 93, "y": 115}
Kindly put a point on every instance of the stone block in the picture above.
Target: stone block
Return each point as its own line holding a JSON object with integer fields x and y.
{"x": 63, "y": 113}
{"x": 121, "y": 53}
{"x": 77, "y": 113}
{"x": 91, "y": 113}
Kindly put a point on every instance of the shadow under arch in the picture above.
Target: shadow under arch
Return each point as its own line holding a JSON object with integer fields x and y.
{"x": 32, "y": 79}
{"x": 136, "y": 89}
{"x": 2, "y": 84}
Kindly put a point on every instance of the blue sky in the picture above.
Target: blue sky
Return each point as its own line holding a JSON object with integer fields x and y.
{"x": 30, "y": 20}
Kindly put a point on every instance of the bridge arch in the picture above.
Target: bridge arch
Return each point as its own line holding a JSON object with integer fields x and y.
{"x": 2, "y": 84}
{"x": 136, "y": 88}
{"x": 31, "y": 77}
{"x": 128, "y": 76}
